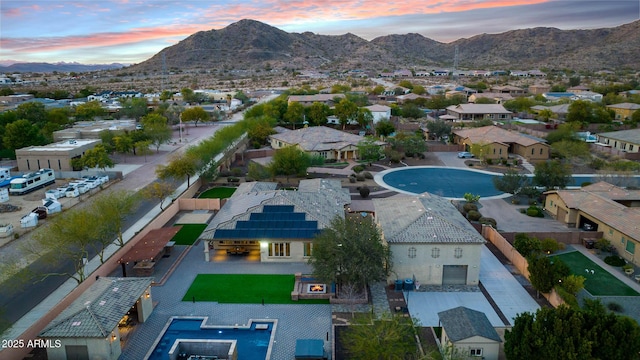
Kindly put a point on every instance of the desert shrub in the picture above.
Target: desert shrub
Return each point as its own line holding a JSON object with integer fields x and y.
{"x": 352, "y": 179}
{"x": 360, "y": 177}
{"x": 474, "y": 215}
{"x": 364, "y": 191}
{"x": 615, "y": 307}
{"x": 469, "y": 207}
{"x": 526, "y": 245}
{"x": 488, "y": 221}
{"x": 232, "y": 179}
{"x": 534, "y": 211}
{"x": 236, "y": 172}
{"x": 471, "y": 198}
{"x": 614, "y": 260}
{"x": 550, "y": 245}
{"x": 358, "y": 168}
{"x": 367, "y": 175}
{"x": 489, "y": 162}
{"x": 603, "y": 244}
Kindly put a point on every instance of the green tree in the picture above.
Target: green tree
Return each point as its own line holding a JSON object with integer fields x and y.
{"x": 134, "y": 108}
{"x": 484, "y": 100}
{"x": 571, "y": 150}
{"x": 350, "y": 251}
{"x": 89, "y": 110}
{"x": 113, "y": 208}
{"x": 391, "y": 337}
{"x": 156, "y": 129}
{"x": 158, "y": 190}
{"x": 438, "y": 129}
{"x": 412, "y": 111}
{"x": 317, "y": 113}
{"x": 260, "y": 131}
{"x": 570, "y": 333}
{"x": 123, "y": 144}
{"x": 188, "y": 96}
{"x": 545, "y": 115}
{"x": 178, "y": 167}
{"x": 346, "y": 111}
{"x": 143, "y": 148}
{"x": 545, "y": 273}
{"x": 385, "y": 128}
{"x": 566, "y": 131}
{"x": 418, "y": 90}
{"x": 194, "y": 114}
{"x": 294, "y": 114}
{"x": 411, "y": 144}
{"x": 369, "y": 151}
{"x": 33, "y": 111}
{"x": 21, "y": 133}
{"x": 289, "y": 161}
{"x": 581, "y": 111}
{"x": 527, "y": 245}
{"x": 511, "y": 182}
{"x": 406, "y": 84}
{"x": 166, "y": 95}
{"x": 96, "y": 157}
{"x": 519, "y": 104}
{"x": 377, "y": 90}
{"x": 364, "y": 117}
{"x": 480, "y": 150}
{"x": 552, "y": 174}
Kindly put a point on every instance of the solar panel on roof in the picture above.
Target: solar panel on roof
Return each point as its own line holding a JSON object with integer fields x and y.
{"x": 277, "y": 208}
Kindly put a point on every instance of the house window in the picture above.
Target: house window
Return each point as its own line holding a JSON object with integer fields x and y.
{"x": 631, "y": 247}
{"x": 622, "y": 240}
{"x": 280, "y": 249}
{"x": 59, "y": 165}
{"x": 532, "y": 150}
{"x": 540, "y": 151}
{"x": 28, "y": 166}
{"x": 457, "y": 253}
{"x": 412, "y": 252}
{"x": 307, "y": 248}
{"x": 500, "y": 151}
{"x": 494, "y": 151}
{"x": 610, "y": 231}
{"x": 435, "y": 253}
{"x": 475, "y": 352}
{"x": 630, "y": 147}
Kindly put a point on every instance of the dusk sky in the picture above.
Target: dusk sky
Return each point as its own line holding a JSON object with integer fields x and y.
{"x": 131, "y": 31}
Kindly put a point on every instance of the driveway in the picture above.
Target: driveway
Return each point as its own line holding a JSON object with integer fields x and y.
{"x": 510, "y": 219}
{"x": 451, "y": 159}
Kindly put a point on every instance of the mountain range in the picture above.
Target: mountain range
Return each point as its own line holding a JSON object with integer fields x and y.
{"x": 249, "y": 44}
{"x": 62, "y": 67}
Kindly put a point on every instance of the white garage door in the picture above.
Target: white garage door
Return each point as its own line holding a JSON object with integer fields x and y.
{"x": 454, "y": 275}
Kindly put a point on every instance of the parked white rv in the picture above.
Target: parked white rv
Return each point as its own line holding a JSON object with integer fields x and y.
{"x": 32, "y": 181}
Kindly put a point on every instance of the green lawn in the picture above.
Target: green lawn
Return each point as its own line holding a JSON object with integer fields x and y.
{"x": 188, "y": 234}
{"x": 601, "y": 282}
{"x": 244, "y": 289}
{"x": 218, "y": 193}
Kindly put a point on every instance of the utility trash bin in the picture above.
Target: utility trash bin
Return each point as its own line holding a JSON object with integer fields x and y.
{"x": 408, "y": 284}
{"x": 398, "y": 285}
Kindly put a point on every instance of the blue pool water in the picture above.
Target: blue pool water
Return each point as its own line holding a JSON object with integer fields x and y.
{"x": 455, "y": 182}
{"x": 446, "y": 182}
{"x": 252, "y": 344}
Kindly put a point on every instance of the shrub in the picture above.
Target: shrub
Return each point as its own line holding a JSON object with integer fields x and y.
{"x": 225, "y": 173}
{"x": 550, "y": 245}
{"x": 474, "y": 215}
{"x": 532, "y": 202}
{"x": 367, "y": 175}
{"x": 236, "y": 172}
{"x": 364, "y": 192}
{"x": 488, "y": 221}
{"x": 360, "y": 177}
{"x": 614, "y": 260}
{"x": 603, "y": 244}
{"x": 515, "y": 162}
{"x": 358, "y": 168}
{"x": 352, "y": 179}
{"x": 469, "y": 197}
{"x": 489, "y": 162}
{"x": 503, "y": 161}
{"x": 615, "y": 307}
{"x": 532, "y": 211}
{"x": 469, "y": 206}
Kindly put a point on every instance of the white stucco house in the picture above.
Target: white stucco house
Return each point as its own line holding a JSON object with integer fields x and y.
{"x": 379, "y": 112}
{"x": 430, "y": 241}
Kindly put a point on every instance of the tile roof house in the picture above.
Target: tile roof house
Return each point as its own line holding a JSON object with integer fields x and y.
{"x": 322, "y": 141}
{"x": 88, "y": 328}
{"x": 624, "y": 140}
{"x": 470, "y": 332}
{"x": 473, "y": 112}
{"x": 501, "y": 143}
{"x": 430, "y": 241}
{"x": 606, "y": 208}
{"x": 624, "y": 111}
{"x": 509, "y": 89}
{"x": 379, "y": 112}
{"x": 308, "y": 100}
{"x": 279, "y": 225}
{"x": 497, "y": 97}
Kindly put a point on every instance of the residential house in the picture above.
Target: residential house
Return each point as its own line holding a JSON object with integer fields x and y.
{"x": 470, "y": 333}
{"x": 90, "y": 327}
{"x": 496, "y": 97}
{"x": 538, "y": 89}
{"x": 321, "y": 141}
{"x": 625, "y": 140}
{"x": 430, "y": 241}
{"x": 579, "y": 89}
{"x": 519, "y": 73}
{"x": 509, "y": 89}
{"x": 603, "y": 207}
{"x": 624, "y": 111}
{"x": 555, "y": 96}
{"x": 308, "y": 100}
{"x": 560, "y": 111}
{"x": 279, "y": 225}
{"x": 587, "y": 95}
{"x": 537, "y": 73}
{"x": 379, "y": 112}
{"x": 401, "y": 99}
{"x": 500, "y": 143}
{"x": 474, "y": 112}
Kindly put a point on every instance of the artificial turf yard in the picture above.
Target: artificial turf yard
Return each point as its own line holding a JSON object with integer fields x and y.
{"x": 601, "y": 282}
{"x": 244, "y": 289}
{"x": 218, "y": 193}
{"x": 188, "y": 234}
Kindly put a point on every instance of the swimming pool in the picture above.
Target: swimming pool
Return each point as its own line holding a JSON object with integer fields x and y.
{"x": 441, "y": 181}
{"x": 252, "y": 343}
